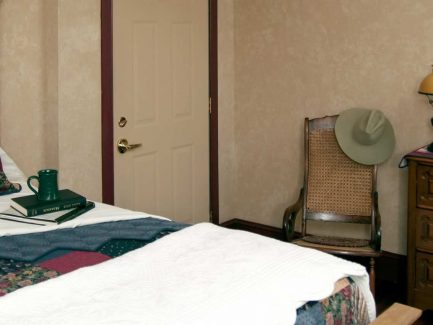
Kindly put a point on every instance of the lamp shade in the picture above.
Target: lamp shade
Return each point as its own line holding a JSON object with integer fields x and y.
{"x": 426, "y": 86}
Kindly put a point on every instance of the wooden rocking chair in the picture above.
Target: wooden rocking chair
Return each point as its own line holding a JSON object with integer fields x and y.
{"x": 336, "y": 189}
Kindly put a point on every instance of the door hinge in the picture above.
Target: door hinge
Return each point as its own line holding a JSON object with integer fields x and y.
{"x": 210, "y": 216}
{"x": 210, "y": 105}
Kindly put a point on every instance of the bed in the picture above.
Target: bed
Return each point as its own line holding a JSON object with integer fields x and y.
{"x": 116, "y": 266}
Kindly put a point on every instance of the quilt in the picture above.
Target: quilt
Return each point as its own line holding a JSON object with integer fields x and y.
{"x": 201, "y": 274}
{"x": 29, "y": 259}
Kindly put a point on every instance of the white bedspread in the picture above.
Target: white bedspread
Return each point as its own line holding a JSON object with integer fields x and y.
{"x": 203, "y": 274}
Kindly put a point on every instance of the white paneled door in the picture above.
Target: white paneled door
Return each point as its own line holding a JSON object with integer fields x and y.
{"x": 161, "y": 78}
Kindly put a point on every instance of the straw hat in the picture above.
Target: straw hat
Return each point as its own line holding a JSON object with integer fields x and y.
{"x": 366, "y": 136}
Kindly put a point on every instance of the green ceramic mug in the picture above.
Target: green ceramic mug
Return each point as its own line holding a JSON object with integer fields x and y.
{"x": 48, "y": 188}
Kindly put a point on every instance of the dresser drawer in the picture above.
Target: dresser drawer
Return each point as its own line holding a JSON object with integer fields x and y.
{"x": 424, "y": 273}
{"x": 424, "y": 186}
{"x": 424, "y": 230}
{"x": 423, "y": 300}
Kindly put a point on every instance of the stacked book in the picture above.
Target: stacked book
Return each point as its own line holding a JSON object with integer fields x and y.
{"x": 68, "y": 206}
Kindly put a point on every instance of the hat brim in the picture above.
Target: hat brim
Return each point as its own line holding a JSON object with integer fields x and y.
{"x": 364, "y": 154}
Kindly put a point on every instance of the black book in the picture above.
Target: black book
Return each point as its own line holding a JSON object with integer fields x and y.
{"x": 57, "y": 217}
{"x": 30, "y": 206}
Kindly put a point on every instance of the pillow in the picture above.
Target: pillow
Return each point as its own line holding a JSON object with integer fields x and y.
{"x": 6, "y": 186}
{"x": 11, "y": 169}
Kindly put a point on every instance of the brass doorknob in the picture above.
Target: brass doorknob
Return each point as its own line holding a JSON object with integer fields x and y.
{"x": 123, "y": 146}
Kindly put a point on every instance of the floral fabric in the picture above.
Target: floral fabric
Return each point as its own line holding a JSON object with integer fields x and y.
{"x": 7, "y": 187}
{"x": 346, "y": 307}
{"x": 27, "y": 276}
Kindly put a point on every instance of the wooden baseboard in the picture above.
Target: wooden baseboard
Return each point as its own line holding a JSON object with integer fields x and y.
{"x": 390, "y": 267}
{"x": 254, "y": 227}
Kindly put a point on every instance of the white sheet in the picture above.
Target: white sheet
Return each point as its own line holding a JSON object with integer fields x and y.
{"x": 203, "y": 274}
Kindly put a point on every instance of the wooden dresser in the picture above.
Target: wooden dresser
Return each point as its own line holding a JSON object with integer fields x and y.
{"x": 420, "y": 232}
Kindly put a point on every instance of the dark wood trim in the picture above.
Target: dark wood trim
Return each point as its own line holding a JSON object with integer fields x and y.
{"x": 107, "y": 106}
{"x": 323, "y": 216}
{"x": 213, "y": 119}
{"x": 393, "y": 268}
{"x": 107, "y": 102}
{"x": 254, "y": 227}
{"x": 391, "y": 275}
{"x": 426, "y": 318}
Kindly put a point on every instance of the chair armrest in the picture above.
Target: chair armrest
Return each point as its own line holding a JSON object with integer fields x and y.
{"x": 290, "y": 216}
{"x": 377, "y": 236}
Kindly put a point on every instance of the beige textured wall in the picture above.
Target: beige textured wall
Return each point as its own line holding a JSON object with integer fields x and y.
{"x": 279, "y": 62}
{"x": 226, "y": 77}
{"x": 50, "y": 96}
{"x": 312, "y": 58}
{"x": 50, "y": 89}
{"x": 79, "y": 84}
{"x": 22, "y": 77}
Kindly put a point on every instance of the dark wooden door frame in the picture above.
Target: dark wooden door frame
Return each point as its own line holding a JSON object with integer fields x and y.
{"x": 107, "y": 106}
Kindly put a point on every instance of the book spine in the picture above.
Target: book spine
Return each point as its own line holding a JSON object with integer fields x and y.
{"x": 58, "y": 206}
{"x": 75, "y": 213}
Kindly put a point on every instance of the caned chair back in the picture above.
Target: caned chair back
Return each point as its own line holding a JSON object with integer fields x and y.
{"x": 336, "y": 187}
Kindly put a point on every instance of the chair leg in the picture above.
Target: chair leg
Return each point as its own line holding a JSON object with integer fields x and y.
{"x": 372, "y": 277}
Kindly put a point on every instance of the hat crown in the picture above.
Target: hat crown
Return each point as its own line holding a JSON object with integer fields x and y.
{"x": 369, "y": 128}
{"x": 364, "y": 135}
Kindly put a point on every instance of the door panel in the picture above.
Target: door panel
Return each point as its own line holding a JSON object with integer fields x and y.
{"x": 160, "y": 62}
